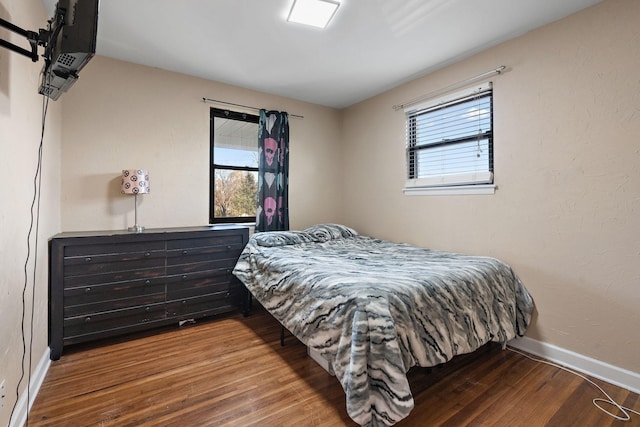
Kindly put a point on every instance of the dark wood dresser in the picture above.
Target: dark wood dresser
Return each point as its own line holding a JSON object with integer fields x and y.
{"x": 108, "y": 283}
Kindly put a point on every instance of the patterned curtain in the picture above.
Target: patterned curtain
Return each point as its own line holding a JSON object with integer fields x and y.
{"x": 273, "y": 172}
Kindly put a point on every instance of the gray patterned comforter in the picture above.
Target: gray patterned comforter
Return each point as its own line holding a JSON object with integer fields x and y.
{"x": 374, "y": 308}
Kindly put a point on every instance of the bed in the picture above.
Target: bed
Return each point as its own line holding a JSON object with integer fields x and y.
{"x": 374, "y": 308}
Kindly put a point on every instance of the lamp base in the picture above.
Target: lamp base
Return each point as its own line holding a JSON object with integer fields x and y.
{"x": 136, "y": 228}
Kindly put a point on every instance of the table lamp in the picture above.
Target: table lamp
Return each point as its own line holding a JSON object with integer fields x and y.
{"x": 135, "y": 181}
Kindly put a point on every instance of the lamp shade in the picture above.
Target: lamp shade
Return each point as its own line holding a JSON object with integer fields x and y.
{"x": 135, "y": 181}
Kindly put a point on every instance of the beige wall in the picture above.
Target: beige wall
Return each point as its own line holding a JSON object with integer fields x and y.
{"x": 20, "y": 127}
{"x": 121, "y": 116}
{"x": 566, "y": 214}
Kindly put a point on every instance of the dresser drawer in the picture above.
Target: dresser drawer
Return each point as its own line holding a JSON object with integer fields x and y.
{"x": 118, "y": 304}
{"x": 112, "y": 320}
{"x": 95, "y": 264}
{"x": 220, "y": 274}
{"x": 226, "y": 241}
{"x": 202, "y": 305}
{"x": 81, "y": 250}
{"x": 113, "y": 277}
{"x": 199, "y": 286}
{"x": 93, "y": 299}
{"x": 208, "y": 265}
{"x": 195, "y": 255}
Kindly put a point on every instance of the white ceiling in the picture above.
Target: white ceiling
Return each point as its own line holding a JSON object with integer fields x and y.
{"x": 369, "y": 47}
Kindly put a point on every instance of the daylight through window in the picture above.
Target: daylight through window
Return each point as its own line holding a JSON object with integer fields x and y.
{"x": 234, "y": 167}
{"x": 450, "y": 140}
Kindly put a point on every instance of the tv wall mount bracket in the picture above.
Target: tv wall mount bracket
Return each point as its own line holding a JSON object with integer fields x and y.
{"x": 35, "y": 39}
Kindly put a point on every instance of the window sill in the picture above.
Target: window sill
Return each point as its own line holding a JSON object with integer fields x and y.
{"x": 451, "y": 190}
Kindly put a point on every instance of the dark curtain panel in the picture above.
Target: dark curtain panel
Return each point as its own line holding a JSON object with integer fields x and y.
{"x": 273, "y": 173}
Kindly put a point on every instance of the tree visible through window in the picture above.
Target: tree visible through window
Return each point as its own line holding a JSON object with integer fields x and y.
{"x": 234, "y": 167}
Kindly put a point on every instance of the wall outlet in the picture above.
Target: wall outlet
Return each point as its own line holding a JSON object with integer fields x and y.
{"x": 2, "y": 394}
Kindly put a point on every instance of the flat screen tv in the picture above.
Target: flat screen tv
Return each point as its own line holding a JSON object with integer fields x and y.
{"x": 72, "y": 43}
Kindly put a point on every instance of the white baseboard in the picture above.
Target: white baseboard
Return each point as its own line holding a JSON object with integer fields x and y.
{"x": 37, "y": 378}
{"x": 595, "y": 368}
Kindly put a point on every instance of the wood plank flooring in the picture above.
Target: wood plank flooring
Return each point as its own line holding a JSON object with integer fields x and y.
{"x": 232, "y": 371}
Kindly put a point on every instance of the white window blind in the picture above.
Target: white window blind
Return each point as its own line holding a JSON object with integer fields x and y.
{"x": 450, "y": 140}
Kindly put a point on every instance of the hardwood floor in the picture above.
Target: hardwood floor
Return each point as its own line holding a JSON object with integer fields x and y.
{"x": 232, "y": 372}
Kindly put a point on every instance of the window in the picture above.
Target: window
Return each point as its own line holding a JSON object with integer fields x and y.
{"x": 450, "y": 143}
{"x": 234, "y": 167}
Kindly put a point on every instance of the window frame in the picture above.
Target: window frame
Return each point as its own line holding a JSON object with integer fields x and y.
{"x": 470, "y": 182}
{"x": 232, "y": 115}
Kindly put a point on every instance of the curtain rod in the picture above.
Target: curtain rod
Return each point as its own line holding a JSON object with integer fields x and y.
{"x": 205, "y": 100}
{"x": 449, "y": 88}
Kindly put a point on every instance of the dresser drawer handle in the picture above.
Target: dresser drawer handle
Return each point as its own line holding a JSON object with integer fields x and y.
{"x": 228, "y": 271}
{"x": 87, "y": 319}
{"x": 229, "y": 247}
{"x": 228, "y": 294}
{"x": 185, "y": 252}
{"x": 185, "y": 277}
{"x": 147, "y": 308}
{"x": 87, "y": 259}
{"x": 147, "y": 254}
{"x": 87, "y": 289}
{"x": 147, "y": 282}
{"x": 184, "y": 301}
